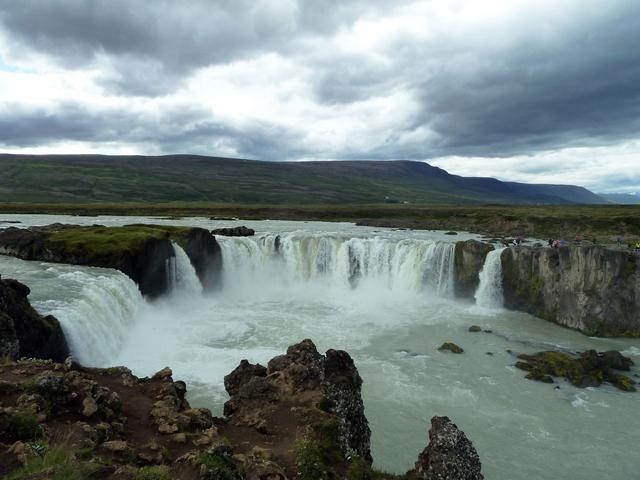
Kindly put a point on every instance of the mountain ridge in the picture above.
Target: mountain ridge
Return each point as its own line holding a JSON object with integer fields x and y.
{"x": 166, "y": 178}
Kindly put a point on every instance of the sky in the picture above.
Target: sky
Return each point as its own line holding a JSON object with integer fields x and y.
{"x": 536, "y": 91}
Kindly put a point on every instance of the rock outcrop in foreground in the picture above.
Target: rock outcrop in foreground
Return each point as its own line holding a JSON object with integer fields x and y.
{"x": 139, "y": 251}
{"x": 23, "y": 331}
{"x": 589, "y": 288}
{"x": 449, "y": 454}
{"x": 301, "y": 417}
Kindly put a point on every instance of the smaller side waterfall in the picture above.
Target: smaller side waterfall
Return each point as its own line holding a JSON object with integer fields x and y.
{"x": 489, "y": 293}
{"x": 181, "y": 276}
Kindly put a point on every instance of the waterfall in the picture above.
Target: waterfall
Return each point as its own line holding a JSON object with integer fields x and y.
{"x": 98, "y": 315}
{"x": 408, "y": 265}
{"x": 181, "y": 276}
{"x": 489, "y": 292}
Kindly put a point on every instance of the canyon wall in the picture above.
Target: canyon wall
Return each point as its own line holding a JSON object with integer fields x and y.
{"x": 589, "y": 288}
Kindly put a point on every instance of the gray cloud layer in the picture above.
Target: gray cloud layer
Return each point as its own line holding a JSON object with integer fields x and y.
{"x": 558, "y": 76}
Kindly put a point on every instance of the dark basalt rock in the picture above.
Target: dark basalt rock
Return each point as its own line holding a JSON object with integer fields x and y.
{"x": 205, "y": 255}
{"x": 241, "y": 231}
{"x": 295, "y": 378}
{"x": 241, "y": 375}
{"x": 589, "y": 369}
{"x": 475, "y": 328}
{"x": 451, "y": 347}
{"x": 589, "y": 288}
{"x": 450, "y": 455}
{"x": 469, "y": 260}
{"x": 302, "y": 417}
{"x": 24, "y": 332}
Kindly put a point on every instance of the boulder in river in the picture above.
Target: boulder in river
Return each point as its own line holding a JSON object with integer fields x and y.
{"x": 588, "y": 369}
{"x": 450, "y": 347}
{"x": 240, "y": 231}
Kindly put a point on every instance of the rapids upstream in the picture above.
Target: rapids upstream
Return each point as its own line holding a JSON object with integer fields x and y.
{"x": 383, "y": 295}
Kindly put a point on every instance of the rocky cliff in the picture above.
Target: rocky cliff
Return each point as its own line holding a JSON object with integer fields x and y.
{"x": 468, "y": 260}
{"x": 25, "y": 333}
{"x": 589, "y": 288}
{"x": 139, "y": 251}
{"x": 301, "y": 417}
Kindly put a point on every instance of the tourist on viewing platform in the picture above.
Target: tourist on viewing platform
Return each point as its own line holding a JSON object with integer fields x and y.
{"x": 578, "y": 239}
{"x": 551, "y": 242}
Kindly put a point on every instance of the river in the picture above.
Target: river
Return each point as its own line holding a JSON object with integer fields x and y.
{"x": 383, "y": 295}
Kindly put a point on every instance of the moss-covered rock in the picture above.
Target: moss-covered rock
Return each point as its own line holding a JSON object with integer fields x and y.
{"x": 589, "y": 369}
{"x": 450, "y": 347}
{"x": 139, "y": 251}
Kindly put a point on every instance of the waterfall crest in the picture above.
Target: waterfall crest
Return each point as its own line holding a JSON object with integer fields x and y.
{"x": 405, "y": 265}
{"x": 181, "y": 275}
{"x": 489, "y": 293}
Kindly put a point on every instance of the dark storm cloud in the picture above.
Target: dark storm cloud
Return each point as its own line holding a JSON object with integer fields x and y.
{"x": 567, "y": 77}
{"x": 178, "y": 129}
{"x": 583, "y": 89}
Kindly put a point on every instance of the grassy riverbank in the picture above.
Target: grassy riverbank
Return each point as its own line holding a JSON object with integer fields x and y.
{"x": 602, "y": 222}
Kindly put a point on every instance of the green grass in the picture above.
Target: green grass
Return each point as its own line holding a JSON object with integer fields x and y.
{"x": 152, "y": 473}
{"x": 20, "y": 425}
{"x": 108, "y": 241}
{"x": 57, "y": 463}
{"x": 86, "y": 178}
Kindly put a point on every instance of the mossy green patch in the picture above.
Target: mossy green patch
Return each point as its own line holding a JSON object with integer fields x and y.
{"x": 311, "y": 461}
{"x": 101, "y": 242}
{"x": 57, "y": 463}
{"x": 20, "y": 425}
{"x": 152, "y": 473}
{"x": 589, "y": 369}
{"x": 216, "y": 466}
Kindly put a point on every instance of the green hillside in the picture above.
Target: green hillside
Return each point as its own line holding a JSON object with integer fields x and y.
{"x": 189, "y": 178}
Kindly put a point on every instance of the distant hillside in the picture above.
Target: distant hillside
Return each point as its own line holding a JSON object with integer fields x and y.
{"x": 101, "y": 178}
{"x": 622, "y": 198}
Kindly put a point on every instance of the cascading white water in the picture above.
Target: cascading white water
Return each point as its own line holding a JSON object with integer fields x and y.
{"x": 407, "y": 265}
{"x": 181, "y": 275}
{"x": 489, "y": 293}
{"x": 97, "y": 318}
{"x": 274, "y": 294}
